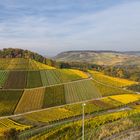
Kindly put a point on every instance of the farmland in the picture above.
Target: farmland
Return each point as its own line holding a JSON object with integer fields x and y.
{"x": 73, "y": 110}
{"x": 34, "y": 79}
{"x": 54, "y": 96}
{"x": 73, "y": 130}
{"x": 107, "y": 90}
{"x": 79, "y": 91}
{"x": 41, "y": 96}
{"x": 30, "y": 100}
{"x": 3, "y": 77}
{"x": 111, "y": 80}
{"x": 57, "y": 76}
{"x": 21, "y": 64}
{"x": 8, "y": 101}
{"x": 16, "y": 80}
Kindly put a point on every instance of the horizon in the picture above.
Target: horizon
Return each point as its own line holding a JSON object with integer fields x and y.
{"x": 108, "y": 51}
{"x": 51, "y": 26}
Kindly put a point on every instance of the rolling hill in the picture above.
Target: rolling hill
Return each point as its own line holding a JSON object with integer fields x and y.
{"x": 100, "y": 57}
{"x": 38, "y": 101}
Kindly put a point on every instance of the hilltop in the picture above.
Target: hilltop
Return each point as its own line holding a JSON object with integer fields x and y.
{"x": 100, "y": 57}
{"x": 20, "y": 53}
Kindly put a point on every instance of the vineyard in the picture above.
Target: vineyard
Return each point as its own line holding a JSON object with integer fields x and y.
{"x": 80, "y": 91}
{"x": 111, "y": 80}
{"x": 21, "y": 64}
{"x": 8, "y": 101}
{"x": 31, "y": 100}
{"x": 93, "y": 126}
{"x": 34, "y": 79}
{"x": 46, "y": 102}
{"x": 73, "y": 110}
{"x": 107, "y": 90}
{"x": 3, "y": 77}
{"x": 57, "y": 76}
{"x": 54, "y": 96}
{"x": 16, "y": 80}
{"x": 127, "y": 98}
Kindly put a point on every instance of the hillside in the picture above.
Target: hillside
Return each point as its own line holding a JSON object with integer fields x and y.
{"x": 39, "y": 101}
{"x": 22, "y": 64}
{"x": 20, "y": 53}
{"x": 100, "y": 57}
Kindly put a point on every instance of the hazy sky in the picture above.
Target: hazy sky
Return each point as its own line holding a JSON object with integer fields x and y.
{"x": 52, "y": 26}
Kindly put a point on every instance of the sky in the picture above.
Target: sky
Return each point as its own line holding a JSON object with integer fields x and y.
{"x": 52, "y": 26}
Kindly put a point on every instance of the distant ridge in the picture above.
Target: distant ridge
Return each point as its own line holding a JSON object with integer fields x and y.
{"x": 101, "y": 57}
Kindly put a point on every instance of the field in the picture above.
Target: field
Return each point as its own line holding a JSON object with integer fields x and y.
{"x": 34, "y": 65}
{"x": 54, "y": 96}
{"x": 80, "y": 91}
{"x": 34, "y": 79}
{"x": 8, "y": 101}
{"x": 20, "y": 79}
{"x": 16, "y": 80}
{"x": 107, "y": 90}
{"x": 57, "y": 76}
{"x": 127, "y": 98}
{"x": 118, "y": 82}
{"x": 48, "y": 101}
{"x": 68, "y": 111}
{"x": 21, "y": 64}
{"x": 31, "y": 99}
{"x": 50, "y": 77}
{"x": 3, "y": 77}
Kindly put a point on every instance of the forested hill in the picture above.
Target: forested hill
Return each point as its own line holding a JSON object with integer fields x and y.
{"x": 20, "y": 53}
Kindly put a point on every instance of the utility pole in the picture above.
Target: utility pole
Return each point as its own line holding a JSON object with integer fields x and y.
{"x": 83, "y": 119}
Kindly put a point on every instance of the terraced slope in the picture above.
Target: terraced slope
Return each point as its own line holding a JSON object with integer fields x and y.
{"x": 79, "y": 91}
{"x": 8, "y": 101}
{"x": 16, "y": 80}
{"x": 30, "y": 100}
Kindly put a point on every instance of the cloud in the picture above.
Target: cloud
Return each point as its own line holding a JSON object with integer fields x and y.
{"x": 57, "y": 27}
